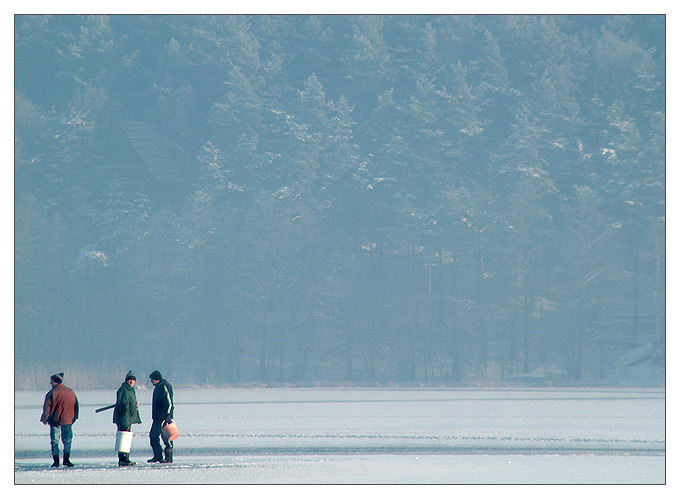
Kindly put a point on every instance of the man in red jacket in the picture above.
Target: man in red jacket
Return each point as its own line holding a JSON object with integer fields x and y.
{"x": 60, "y": 411}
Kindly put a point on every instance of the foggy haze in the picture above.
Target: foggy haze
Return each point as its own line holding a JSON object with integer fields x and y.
{"x": 456, "y": 200}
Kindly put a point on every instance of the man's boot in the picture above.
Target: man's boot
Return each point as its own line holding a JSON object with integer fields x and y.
{"x": 55, "y": 464}
{"x": 124, "y": 459}
{"x": 155, "y": 459}
{"x": 67, "y": 460}
{"x": 168, "y": 455}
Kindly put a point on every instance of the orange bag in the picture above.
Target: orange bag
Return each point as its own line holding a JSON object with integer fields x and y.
{"x": 170, "y": 431}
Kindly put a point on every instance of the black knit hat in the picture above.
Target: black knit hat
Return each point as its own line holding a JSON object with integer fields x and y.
{"x": 156, "y": 375}
{"x": 57, "y": 378}
{"x": 130, "y": 375}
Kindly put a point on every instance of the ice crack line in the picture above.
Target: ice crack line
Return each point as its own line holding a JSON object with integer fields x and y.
{"x": 373, "y": 436}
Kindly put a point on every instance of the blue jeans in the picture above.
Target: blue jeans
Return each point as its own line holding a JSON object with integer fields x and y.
{"x": 63, "y": 432}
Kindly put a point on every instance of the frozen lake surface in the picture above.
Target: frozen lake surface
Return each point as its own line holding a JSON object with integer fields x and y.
{"x": 366, "y": 436}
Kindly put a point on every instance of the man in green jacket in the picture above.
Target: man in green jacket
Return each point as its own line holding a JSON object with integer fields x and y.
{"x": 126, "y": 412}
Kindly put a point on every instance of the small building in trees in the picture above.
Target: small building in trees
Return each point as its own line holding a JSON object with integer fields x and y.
{"x": 138, "y": 155}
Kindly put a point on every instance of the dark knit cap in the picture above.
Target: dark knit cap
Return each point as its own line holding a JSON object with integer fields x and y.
{"x": 130, "y": 375}
{"x": 57, "y": 378}
{"x": 156, "y": 375}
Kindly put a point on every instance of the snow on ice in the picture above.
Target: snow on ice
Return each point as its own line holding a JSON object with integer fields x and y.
{"x": 366, "y": 436}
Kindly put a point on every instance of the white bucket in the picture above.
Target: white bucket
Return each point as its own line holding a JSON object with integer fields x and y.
{"x": 124, "y": 441}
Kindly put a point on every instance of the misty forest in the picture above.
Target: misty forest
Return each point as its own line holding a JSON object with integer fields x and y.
{"x": 370, "y": 200}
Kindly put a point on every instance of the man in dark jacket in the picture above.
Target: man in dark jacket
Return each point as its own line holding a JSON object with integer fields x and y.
{"x": 162, "y": 410}
{"x": 60, "y": 411}
{"x": 126, "y": 412}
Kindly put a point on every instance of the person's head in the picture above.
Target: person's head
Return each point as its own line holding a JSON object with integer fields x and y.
{"x": 56, "y": 379}
{"x": 155, "y": 377}
{"x": 130, "y": 378}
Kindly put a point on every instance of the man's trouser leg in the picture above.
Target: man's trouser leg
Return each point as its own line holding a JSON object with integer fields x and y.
{"x": 154, "y": 437}
{"x": 168, "y": 448}
{"x": 55, "y": 436}
{"x": 67, "y": 437}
